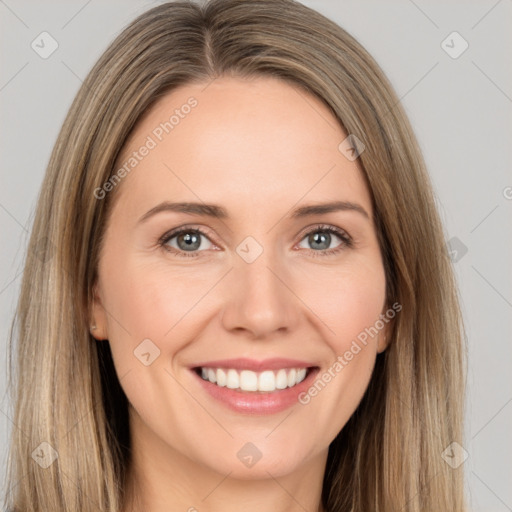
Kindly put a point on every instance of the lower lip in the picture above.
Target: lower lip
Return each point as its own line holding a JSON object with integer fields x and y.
{"x": 257, "y": 402}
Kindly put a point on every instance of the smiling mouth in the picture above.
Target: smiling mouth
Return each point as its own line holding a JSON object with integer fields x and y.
{"x": 249, "y": 381}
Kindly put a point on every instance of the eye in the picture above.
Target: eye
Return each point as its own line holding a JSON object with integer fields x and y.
{"x": 185, "y": 241}
{"x": 188, "y": 242}
{"x": 321, "y": 237}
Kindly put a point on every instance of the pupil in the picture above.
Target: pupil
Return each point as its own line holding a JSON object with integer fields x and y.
{"x": 192, "y": 241}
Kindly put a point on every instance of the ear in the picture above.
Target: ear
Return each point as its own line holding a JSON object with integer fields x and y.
{"x": 98, "y": 322}
{"x": 384, "y": 336}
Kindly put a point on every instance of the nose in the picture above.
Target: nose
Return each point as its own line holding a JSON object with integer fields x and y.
{"x": 260, "y": 298}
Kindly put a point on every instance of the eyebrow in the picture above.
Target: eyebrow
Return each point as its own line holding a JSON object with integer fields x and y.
{"x": 218, "y": 212}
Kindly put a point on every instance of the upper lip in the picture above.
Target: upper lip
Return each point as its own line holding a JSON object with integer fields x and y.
{"x": 276, "y": 363}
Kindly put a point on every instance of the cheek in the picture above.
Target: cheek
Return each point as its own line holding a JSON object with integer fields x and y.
{"x": 147, "y": 301}
{"x": 347, "y": 300}
{"x": 147, "y": 314}
{"x": 153, "y": 314}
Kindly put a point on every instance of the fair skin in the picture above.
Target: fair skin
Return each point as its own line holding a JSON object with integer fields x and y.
{"x": 260, "y": 149}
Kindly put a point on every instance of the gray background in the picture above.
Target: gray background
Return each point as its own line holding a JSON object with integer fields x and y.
{"x": 460, "y": 109}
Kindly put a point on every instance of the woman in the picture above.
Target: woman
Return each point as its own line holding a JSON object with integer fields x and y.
{"x": 184, "y": 343}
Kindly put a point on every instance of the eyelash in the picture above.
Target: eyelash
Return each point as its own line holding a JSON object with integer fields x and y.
{"x": 345, "y": 239}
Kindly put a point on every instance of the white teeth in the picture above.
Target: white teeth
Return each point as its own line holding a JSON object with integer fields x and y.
{"x": 267, "y": 381}
{"x": 221, "y": 378}
{"x": 247, "y": 380}
{"x": 282, "y": 379}
{"x": 292, "y": 375}
{"x": 233, "y": 380}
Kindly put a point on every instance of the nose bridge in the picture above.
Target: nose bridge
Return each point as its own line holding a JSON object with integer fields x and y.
{"x": 257, "y": 298}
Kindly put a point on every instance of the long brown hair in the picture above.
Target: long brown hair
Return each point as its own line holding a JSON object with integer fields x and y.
{"x": 64, "y": 388}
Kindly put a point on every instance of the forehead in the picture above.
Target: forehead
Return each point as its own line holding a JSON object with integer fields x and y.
{"x": 243, "y": 141}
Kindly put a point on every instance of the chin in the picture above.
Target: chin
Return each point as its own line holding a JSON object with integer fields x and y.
{"x": 248, "y": 461}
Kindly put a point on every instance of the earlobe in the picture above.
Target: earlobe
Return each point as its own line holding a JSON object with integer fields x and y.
{"x": 382, "y": 343}
{"x": 93, "y": 328}
{"x": 98, "y": 318}
{"x": 384, "y": 338}
{"x": 386, "y": 325}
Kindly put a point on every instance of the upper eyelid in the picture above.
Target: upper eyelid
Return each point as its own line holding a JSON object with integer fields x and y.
{"x": 176, "y": 231}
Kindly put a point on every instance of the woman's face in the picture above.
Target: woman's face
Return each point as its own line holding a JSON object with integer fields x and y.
{"x": 268, "y": 293}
